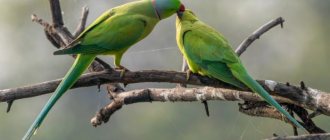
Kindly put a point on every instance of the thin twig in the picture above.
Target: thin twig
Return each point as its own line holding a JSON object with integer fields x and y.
{"x": 56, "y": 11}
{"x": 38, "y": 20}
{"x": 309, "y": 124}
{"x": 184, "y": 68}
{"x": 294, "y": 127}
{"x": 304, "y": 137}
{"x": 10, "y": 103}
{"x": 262, "y": 109}
{"x": 82, "y": 24}
{"x": 256, "y": 34}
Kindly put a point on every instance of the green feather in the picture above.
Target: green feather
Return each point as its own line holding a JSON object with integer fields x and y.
{"x": 79, "y": 66}
{"x": 256, "y": 87}
{"x": 112, "y": 33}
{"x": 209, "y": 53}
{"x": 110, "y": 36}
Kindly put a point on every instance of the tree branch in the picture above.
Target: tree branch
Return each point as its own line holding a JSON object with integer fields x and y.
{"x": 304, "y": 137}
{"x": 198, "y": 94}
{"x": 256, "y": 35}
{"x": 56, "y": 11}
{"x": 82, "y": 23}
{"x": 262, "y": 109}
{"x": 310, "y": 98}
{"x": 174, "y": 95}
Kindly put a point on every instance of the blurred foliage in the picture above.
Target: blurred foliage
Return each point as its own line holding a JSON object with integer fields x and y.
{"x": 298, "y": 52}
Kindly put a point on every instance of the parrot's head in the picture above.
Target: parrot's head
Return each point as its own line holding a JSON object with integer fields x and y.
{"x": 166, "y": 8}
{"x": 186, "y": 16}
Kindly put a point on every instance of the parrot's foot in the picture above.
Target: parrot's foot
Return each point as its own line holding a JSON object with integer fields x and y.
{"x": 122, "y": 69}
{"x": 189, "y": 72}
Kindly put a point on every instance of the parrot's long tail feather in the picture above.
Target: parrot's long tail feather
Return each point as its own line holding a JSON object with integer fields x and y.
{"x": 256, "y": 87}
{"x": 80, "y": 65}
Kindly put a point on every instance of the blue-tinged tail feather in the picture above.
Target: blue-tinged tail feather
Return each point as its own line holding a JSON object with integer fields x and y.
{"x": 80, "y": 65}
{"x": 256, "y": 87}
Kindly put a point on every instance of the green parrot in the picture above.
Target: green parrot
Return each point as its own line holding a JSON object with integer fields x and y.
{"x": 111, "y": 34}
{"x": 208, "y": 53}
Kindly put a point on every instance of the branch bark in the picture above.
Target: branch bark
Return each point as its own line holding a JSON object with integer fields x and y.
{"x": 257, "y": 34}
{"x": 304, "y": 137}
{"x": 82, "y": 23}
{"x": 310, "y": 98}
{"x": 56, "y": 11}
{"x": 262, "y": 109}
{"x": 175, "y": 95}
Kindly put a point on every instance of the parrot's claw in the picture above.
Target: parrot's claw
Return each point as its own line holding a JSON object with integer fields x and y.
{"x": 122, "y": 70}
{"x": 188, "y": 74}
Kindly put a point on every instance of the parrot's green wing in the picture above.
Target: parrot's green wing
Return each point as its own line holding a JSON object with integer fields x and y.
{"x": 99, "y": 20}
{"x": 209, "y": 54}
{"x": 203, "y": 48}
{"x": 210, "y": 45}
{"x": 221, "y": 71}
{"x": 111, "y": 30}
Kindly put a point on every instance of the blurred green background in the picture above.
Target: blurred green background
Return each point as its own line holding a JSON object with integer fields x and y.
{"x": 298, "y": 52}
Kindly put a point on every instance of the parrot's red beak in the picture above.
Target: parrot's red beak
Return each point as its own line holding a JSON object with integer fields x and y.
{"x": 181, "y": 10}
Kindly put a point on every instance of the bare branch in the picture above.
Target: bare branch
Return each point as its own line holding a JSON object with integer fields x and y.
{"x": 177, "y": 95}
{"x": 263, "y": 109}
{"x": 40, "y": 21}
{"x": 304, "y": 137}
{"x": 55, "y": 8}
{"x": 184, "y": 68}
{"x": 304, "y": 116}
{"x": 256, "y": 34}
{"x": 309, "y": 98}
{"x": 10, "y": 103}
{"x": 82, "y": 24}
{"x": 64, "y": 35}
